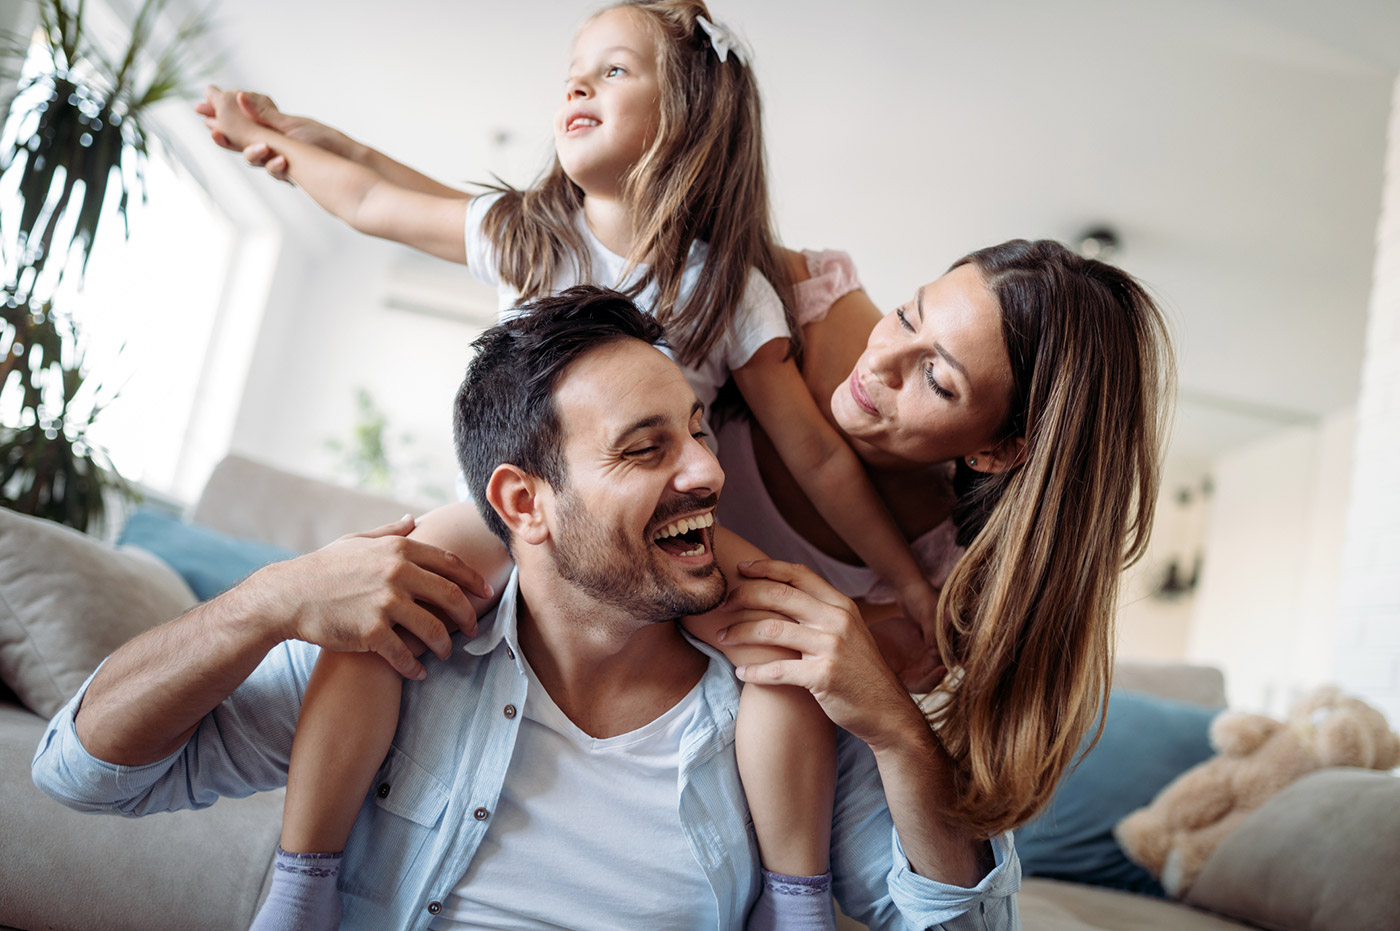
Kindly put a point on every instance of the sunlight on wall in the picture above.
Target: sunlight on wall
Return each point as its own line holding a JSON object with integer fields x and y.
{"x": 148, "y": 309}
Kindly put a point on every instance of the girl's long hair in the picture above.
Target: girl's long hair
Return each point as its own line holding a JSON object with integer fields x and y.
{"x": 1030, "y": 606}
{"x": 703, "y": 179}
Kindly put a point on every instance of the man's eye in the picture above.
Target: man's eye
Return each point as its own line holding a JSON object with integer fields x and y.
{"x": 700, "y": 435}
{"x": 638, "y": 453}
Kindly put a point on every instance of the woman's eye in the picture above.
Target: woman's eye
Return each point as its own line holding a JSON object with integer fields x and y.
{"x": 933, "y": 383}
{"x": 903, "y": 320}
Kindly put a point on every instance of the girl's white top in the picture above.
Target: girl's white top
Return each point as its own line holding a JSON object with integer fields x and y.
{"x": 757, "y": 320}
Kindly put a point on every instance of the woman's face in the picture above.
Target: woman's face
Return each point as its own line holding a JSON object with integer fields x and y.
{"x": 934, "y": 382}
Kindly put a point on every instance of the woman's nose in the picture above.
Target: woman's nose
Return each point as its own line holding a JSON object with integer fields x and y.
{"x": 886, "y": 363}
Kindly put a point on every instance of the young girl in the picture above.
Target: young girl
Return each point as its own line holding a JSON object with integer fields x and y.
{"x": 657, "y": 189}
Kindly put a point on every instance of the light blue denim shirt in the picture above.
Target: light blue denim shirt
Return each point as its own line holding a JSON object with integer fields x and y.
{"x": 430, "y": 804}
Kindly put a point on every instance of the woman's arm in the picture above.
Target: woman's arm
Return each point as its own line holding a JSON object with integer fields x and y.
{"x": 351, "y": 191}
{"x": 830, "y": 474}
{"x": 841, "y": 666}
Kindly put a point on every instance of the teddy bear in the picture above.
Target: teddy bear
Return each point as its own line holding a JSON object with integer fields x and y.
{"x": 1174, "y": 835}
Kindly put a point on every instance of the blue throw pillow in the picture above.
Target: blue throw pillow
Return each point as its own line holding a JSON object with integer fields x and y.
{"x": 209, "y": 561}
{"x": 1147, "y": 742}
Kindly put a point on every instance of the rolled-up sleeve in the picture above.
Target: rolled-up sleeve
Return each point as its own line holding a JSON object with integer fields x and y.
{"x": 988, "y": 906}
{"x": 241, "y": 747}
{"x": 871, "y": 875}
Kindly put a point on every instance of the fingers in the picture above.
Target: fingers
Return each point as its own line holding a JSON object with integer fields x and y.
{"x": 448, "y": 565}
{"x": 277, "y": 167}
{"x": 774, "y": 632}
{"x": 799, "y": 577}
{"x": 420, "y": 622}
{"x": 399, "y": 528}
{"x": 778, "y": 597}
{"x": 259, "y": 107}
{"x": 778, "y": 672}
{"x": 204, "y": 108}
{"x": 396, "y": 654}
{"x": 258, "y": 154}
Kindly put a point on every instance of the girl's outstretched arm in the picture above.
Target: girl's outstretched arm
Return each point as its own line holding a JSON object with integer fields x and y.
{"x": 261, "y": 109}
{"x": 831, "y": 475}
{"x": 360, "y": 195}
{"x": 351, "y": 708}
{"x": 786, "y": 746}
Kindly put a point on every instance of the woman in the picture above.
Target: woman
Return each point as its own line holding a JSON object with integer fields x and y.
{"x": 1014, "y": 405}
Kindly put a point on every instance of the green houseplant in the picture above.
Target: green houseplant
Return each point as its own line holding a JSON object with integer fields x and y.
{"x": 78, "y": 132}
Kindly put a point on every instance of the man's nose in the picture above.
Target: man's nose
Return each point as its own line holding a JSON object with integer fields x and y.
{"x": 700, "y": 472}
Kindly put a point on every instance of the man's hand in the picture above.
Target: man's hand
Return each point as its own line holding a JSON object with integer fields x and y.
{"x": 365, "y": 592}
{"x": 260, "y": 109}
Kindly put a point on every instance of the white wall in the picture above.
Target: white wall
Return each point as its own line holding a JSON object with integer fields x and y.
{"x": 1266, "y": 611}
{"x": 1368, "y": 644}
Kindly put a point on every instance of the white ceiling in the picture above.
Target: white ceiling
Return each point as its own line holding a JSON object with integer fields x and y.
{"x": 1236, "y": 145}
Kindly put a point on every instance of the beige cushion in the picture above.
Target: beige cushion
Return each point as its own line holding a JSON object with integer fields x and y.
{"x": 248, "y": 499}
{"x": 67, "y": 600}
{"x": 1052, "y": 905}
{"x": 1319, "y": 856}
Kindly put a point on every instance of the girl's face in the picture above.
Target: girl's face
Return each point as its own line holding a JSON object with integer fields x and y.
{"x": 612, "y": 101}
{"x": 934, "y": 382}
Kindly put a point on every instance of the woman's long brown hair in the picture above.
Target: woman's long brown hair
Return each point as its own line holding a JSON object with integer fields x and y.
{"x": 1031, "y": 604}
{"x": 703, "y": 179}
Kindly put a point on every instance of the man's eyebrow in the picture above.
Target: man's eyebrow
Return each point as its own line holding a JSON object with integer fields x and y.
{"x": 942, "y": 350}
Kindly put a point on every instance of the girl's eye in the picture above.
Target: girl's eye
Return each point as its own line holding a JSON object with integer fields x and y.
{"x": 903, "y": 320}
{"x": 933, "y": 383}
{"x": 614, "y": 70}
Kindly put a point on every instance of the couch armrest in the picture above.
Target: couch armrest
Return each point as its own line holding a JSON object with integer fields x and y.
{"x": 1319, "y": 855}
{"x": 260, "y": 502}
{"x": 1200, "y": 685}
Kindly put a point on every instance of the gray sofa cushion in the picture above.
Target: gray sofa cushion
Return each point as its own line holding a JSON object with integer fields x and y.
{"x": 67, "y": 600}
{"x": 68, "y": 871}
{"x": 1318, "y": 856}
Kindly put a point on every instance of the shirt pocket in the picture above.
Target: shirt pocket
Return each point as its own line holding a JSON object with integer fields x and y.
{"x": 403, "y": 810}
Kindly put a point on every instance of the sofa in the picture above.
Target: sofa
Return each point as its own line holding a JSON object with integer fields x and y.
{"x": 1316, "y": 857}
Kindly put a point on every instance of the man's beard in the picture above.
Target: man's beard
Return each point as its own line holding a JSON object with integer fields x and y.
{"x": 630, "y": 574}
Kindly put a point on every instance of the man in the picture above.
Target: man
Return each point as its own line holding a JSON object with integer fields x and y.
{"x": 572, "y": 763}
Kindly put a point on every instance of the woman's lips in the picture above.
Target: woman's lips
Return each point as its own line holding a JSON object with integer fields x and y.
{"x": 860, "y": 396}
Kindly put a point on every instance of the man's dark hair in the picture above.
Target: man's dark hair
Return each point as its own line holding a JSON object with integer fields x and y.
{"x": 505, "y": 409}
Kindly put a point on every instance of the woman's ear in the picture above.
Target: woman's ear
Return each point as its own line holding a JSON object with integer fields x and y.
{"x": 1005, "y": 455}
{"x": 516, "y": 496}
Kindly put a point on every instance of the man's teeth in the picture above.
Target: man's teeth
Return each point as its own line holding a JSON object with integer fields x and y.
{"x": 685, "y": 525}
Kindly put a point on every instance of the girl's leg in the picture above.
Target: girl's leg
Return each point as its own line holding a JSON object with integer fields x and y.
{"x": 786, "y": 749}
{"x": 348, "y": 718}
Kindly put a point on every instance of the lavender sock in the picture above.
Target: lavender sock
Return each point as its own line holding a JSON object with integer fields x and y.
{"x": 793, "y": 903}
{"x": 303, "y": 896}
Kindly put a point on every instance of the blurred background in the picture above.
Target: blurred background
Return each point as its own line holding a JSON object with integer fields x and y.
{"x": 1234, "y": 149}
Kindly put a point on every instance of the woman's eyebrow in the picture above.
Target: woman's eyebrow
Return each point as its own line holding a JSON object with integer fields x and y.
{"x": 942, "y": 350}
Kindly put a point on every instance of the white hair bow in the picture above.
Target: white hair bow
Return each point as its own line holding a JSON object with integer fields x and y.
{"x": 724, "y": 41}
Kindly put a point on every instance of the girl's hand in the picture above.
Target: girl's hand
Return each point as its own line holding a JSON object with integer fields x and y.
{"x": 229, "y": 125}
{"x": 840, "y": 663}
{"x": 260, "y": 109}
{"x": 919, "y": 666}
{"x": 920, "y": 604}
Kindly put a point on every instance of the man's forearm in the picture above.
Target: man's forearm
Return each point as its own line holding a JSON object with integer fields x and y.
{"x": 918, "y": 789}
{"x": 151, "y": 694}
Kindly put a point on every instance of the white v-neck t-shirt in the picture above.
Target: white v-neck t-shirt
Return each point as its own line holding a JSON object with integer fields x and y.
{"x": 604, "y": 814}
{"x": 757, "y": 320}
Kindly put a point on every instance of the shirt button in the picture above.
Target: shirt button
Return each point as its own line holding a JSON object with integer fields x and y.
{"x": 510, "y": 711}
{"x": 434, "y": 908}
{"x": 510, "y": 652}
{"x": 383, "y": 790}
{"x": 481, "y": 814}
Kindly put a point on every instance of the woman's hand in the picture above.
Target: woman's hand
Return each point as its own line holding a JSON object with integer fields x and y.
{"x": 840, "y": 663}
{"x": 918, "y": 666}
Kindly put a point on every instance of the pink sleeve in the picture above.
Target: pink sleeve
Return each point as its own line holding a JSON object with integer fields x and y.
{"x": 833, "y": 277}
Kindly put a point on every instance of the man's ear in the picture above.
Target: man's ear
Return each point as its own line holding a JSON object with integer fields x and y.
{"x": 517, "y": 497}
{"x": 1005, "y": 455}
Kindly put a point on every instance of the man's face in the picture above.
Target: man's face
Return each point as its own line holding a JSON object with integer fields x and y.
{"x": 634, "y": 524}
